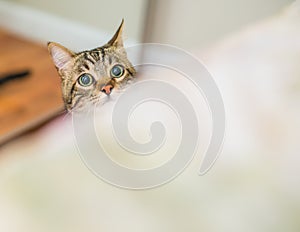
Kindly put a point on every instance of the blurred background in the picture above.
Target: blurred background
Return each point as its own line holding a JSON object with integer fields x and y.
{"x": 203, "y": 23}
{"x": 252, "y": 48}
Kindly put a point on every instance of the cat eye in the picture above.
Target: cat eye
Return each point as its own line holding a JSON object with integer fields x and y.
{"x": 117, "y": 71}
{"x": 85, "y": 80}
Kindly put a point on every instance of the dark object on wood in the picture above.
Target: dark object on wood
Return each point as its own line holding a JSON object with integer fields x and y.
{"x": 28, "y": 103}
{"x": 13, "y": 76}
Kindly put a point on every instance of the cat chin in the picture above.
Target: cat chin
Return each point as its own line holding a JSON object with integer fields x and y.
{"x": 98, "y": 102}
{"x": 90, "y": 106}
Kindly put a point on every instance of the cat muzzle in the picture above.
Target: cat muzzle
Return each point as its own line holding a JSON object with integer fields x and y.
{"x": 107, "y": 89}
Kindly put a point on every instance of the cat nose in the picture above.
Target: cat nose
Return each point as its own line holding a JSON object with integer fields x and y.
{"x": 107, "y": 89}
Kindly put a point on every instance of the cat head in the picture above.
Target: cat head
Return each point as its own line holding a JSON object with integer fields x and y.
{"x": 89, "y": 76}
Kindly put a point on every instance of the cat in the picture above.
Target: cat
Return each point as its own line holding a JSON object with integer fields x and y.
{"x": 88, "y": 76}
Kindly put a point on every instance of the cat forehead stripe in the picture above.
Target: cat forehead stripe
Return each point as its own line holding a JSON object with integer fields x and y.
{"x": 102, "y": 50}
{"x": 86, "y": 66}
{"x": 95, "y": 55}
{"x": 89, "y": 58}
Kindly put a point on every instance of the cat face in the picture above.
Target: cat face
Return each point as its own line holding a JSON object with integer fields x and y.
{"x": 92, "y": 75}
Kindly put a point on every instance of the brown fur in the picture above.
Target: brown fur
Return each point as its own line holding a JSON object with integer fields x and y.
{"x": 97, "y": 63}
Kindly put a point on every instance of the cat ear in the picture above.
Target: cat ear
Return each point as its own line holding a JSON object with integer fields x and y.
{"x": 117, "y": 39}
{"x": 60, "y": 55}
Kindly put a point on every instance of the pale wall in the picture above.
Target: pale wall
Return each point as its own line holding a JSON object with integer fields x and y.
{"x": 104, "y": 15}
{"x": 199, "y": 23}
{"x": 185, "y": 23}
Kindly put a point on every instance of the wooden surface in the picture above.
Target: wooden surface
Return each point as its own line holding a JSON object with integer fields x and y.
{"x": 26, "y": 103}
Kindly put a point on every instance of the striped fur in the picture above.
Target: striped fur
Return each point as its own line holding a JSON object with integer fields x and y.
{"x": 97, "y": 63}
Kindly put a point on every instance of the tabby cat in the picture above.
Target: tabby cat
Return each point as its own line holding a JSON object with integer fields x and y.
{"x": 92, "y": 75}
